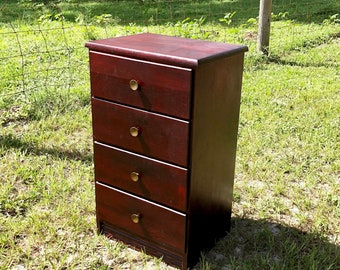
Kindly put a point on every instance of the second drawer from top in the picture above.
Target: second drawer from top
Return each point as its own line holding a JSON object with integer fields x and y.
{"x": 149, "y": 134}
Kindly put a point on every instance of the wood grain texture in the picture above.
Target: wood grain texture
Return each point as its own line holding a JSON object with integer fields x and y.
{"x": 186, "y": 161}
{"x": 160, "y": 137}
{"x": 177, "y": 51}
{"x": 172, "y": 257}
{"x": 162, "y": 89}
{"x": 160, "y": 182}
{"x": 157, "y": 224}
{"x": 213, "y": 151}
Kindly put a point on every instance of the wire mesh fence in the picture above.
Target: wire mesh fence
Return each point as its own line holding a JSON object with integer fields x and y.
{"x": 42, "y": 42}
{"x": 34, "y": 56}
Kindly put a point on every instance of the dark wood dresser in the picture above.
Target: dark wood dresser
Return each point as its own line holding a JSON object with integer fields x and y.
{"x": 165, "y": 115}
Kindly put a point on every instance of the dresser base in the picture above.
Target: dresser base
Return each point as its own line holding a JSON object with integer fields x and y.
{"x": 169, "y": 257}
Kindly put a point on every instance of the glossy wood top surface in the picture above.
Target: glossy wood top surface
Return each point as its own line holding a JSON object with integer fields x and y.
{"x": 165, "y": 49}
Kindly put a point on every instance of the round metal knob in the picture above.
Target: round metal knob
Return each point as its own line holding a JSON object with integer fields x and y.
{"x": 134, "y": 176}
{"x": 134, "y": 85}
{"x": 134, "y": 131}
{"x": 136, "y": 217}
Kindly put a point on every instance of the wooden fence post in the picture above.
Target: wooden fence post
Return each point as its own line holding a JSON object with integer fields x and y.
{"x": 264, "y": 26}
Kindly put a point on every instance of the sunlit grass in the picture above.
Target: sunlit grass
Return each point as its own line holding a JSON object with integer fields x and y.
{"x": 286, "y": 210}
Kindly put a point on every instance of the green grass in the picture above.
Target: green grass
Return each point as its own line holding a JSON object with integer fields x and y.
{"x": 144, "y": 12}
{"x": 286, "y": 211}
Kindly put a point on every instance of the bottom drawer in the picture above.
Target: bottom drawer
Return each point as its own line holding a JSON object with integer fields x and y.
{"x": 140, "y": 217}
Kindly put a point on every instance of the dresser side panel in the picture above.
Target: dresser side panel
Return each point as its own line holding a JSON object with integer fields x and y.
{"x": 216, "y": 105}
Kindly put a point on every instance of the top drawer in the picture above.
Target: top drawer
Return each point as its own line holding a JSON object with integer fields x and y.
{"x": 159, "y": 88}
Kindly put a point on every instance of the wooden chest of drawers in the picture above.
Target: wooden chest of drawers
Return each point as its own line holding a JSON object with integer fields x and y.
{"x": 165, "y": 117}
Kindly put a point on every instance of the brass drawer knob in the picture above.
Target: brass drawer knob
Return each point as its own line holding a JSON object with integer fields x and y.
{"x": 134, "y": 85}
{"x": 136, "y": 217}
{"x": 134, "y": 176}
{"x": 134, "y": 131}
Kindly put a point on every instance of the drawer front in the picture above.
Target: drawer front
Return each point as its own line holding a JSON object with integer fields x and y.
{"x": 149, "y": 134}
{"x": 140, "y": 217}
{"x": 162, "y": 89}
{"x": 149, "y": 178}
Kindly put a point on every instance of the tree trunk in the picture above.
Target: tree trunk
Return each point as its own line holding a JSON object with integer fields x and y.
{"x": 264, "y": 26}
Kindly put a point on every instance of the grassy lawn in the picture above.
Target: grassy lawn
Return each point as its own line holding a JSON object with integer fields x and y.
{"x": 286, "y": 211}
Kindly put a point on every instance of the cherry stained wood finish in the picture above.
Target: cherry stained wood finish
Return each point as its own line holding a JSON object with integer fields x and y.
{"x": 160, "y": 137}
{"x": 163, "y": 89}
{"x": 157, "y": 224}
{"x": 158, "y": 181}
{"x": 179, "y": 259}
{"x": 176, "y": 51}
{"x": 204, "y": 145}
{"x": 213, "y": 151}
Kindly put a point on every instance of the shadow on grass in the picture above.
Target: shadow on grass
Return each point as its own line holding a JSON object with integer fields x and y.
{"x": 261, "y": 244}
{"x": 10, "y": 141}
